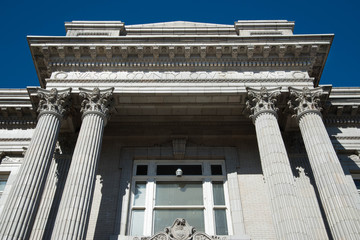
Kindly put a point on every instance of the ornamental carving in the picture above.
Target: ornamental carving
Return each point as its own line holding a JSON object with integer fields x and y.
{"x": 97, "y": 101}
{"x": 305, "y": 100}
{"x": 54, "y": 101}
{"x": 181, "y": 230}
{"x": 262, "y": 100}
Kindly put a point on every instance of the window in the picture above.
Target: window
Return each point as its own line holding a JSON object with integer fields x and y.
{"x": 3, "y": 180}
{"x": 163, "y": 191}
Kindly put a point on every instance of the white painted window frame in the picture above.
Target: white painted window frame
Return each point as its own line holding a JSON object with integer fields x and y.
{"x": 4, "y": 176}
{"x": 206, "y": 178}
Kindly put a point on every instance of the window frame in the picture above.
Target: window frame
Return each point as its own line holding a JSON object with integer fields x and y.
{"x": 4, "y": 176}
{"x": 206, "y": 179}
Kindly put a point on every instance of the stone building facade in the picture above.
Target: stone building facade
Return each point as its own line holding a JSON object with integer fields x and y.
{"x": 180, "y": 130}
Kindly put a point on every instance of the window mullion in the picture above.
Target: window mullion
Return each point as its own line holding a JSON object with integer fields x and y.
{"x": 208, "y": 204}
{"x": 149, "y": 205}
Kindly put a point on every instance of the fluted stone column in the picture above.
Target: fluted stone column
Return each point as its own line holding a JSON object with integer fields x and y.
{"x": 287, "y": 217}
{"x": 337, "y": 198}
{"x": 20, "y": 208}
{"x": 72, "y": 219}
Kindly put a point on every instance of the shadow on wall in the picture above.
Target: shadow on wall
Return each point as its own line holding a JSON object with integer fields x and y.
{"x": 106, "y": 193}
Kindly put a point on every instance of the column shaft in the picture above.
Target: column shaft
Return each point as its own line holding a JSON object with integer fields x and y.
{"x": 279, "y": 178}
{"x": 49, "y": 204}
{"x": 74, "y": 210}
{"x": 336, "y": 197}
{"x": 20, "y": 209}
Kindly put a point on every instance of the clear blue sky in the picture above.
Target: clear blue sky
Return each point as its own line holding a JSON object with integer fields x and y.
{"x": 40, "y": 17}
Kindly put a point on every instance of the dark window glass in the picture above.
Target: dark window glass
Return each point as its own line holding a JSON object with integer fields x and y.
{"x": 171, "y": 169}
{"x": 216, "y": 170}
{"x": 141, "y": 170}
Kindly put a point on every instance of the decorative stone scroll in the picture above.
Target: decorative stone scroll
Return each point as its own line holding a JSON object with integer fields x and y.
{"x": 97, "y": 101}
{"x": 181, "y": 230}
{"x": 305, "y": 100}
{"x": 54, "y": 101}
{"x": 262, "y": 100}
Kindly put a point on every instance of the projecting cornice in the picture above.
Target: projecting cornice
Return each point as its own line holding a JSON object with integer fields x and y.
{"x": 180, "y": 53}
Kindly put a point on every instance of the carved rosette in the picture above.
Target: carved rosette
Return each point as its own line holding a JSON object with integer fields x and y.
{"x": 56, "y": 102}
{"x": 97, "y": 101}
{"x": 261, "y": 101}
{"x": 305, "y": 100}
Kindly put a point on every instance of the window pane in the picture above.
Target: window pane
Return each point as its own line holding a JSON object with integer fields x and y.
{"x": 182, "y": 193}
{"x": 171, "y": 169}
{"x": 216, "y": 170}
{"x": 2, "y": 185}
{"x": 139, "y": 195}
{"x": 166, "y": 217}
{"x": 137, "y": 222}
{"x": 141, "y": 170}
{"x": 221, "y": 222}
{"x": 218, "y": 192}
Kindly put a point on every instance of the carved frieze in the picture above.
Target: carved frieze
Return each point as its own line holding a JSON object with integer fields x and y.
{"x": 183, "y": 75}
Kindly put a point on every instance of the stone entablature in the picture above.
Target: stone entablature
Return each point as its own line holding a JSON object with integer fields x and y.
{"x": 260, "y": 46}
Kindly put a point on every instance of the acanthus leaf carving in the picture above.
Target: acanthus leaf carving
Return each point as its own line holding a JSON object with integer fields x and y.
{"x": 262, "y": 100}
{"x": 54, "y": 101}
{"x": 97, "y": 101}
{"x": 305, "y": 100}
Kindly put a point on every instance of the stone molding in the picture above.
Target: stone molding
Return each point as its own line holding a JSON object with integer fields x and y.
{"x": 262, "y": 100}
{"x": 203, "y": 49}
{"x": 305, "y": 100}
{"x": 56, "y": 102}
{"x": 97, "y": 101}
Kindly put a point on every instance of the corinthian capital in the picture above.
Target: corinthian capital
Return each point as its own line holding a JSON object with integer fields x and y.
{"x": 262, "y": 100}
{"x": 97, "y": 101}
{"x": 54, "y": 101}
{"x": 305, "y": 100}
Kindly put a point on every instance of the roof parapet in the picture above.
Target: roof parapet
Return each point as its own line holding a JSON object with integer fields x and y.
{"x": 264, "y": 27}
{"x": 94, "y": 28}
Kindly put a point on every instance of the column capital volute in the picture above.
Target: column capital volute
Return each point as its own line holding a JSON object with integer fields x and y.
{"x": 262, "y": 100}
{"x": 305, "y": 100}
{"x": 54, "y": 101}
{"x": 97, "y": 101}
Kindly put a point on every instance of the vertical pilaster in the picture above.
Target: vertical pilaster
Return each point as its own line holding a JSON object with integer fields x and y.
{"x": 20, "y": 209}
{"x": 337, "y": 198}
{"x": 72, "y": 219}
{"x": 288, "y": 221}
